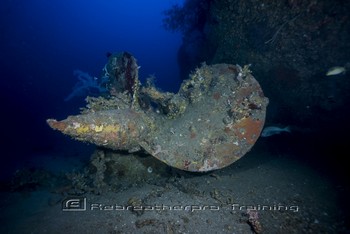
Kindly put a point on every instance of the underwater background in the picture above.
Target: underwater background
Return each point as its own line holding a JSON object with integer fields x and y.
{"x": 297, "y": 50}
{"x": 42, "y": 43}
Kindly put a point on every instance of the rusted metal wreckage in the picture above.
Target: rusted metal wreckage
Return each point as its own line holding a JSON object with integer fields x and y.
{"x": 214, "y": 119}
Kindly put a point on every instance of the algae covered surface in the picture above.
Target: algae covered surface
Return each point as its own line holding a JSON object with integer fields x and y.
{"x": 214, "y": 119}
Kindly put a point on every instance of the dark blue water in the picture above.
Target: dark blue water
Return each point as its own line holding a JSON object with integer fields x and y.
{"x": 43, "y": 42}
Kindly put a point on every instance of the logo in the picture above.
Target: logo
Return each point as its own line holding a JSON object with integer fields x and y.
{"x": 74, "y": 204}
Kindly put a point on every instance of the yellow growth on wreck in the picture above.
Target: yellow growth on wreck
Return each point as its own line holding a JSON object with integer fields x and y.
{"x": 111, "y": 128}
{"x": 82, "y": 129}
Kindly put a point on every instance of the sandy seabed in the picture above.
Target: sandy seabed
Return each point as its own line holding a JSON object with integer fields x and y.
{"x": 264, "y": 192}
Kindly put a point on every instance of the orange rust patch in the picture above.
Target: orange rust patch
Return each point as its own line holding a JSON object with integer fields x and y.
{"x": 232, "y": 68}
{"x": 249, "y": 129}
{"x": 58, "y": 125}
{"x": 245, "y": 92}
{"x": 132, "y": 130}
{"x": 193, "y": 135}
{"x": 123, "y": 139}
{"x": 225, "y": 151}
{"x": 227, "y": 70}
{"x": 111, "y": 136}
{"x": 227, "y": 130}
{"x": 216, "y": 96}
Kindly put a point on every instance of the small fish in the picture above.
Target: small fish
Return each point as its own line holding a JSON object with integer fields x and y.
{"x": 272, "y": 130}
{"x": 336, "y": 71}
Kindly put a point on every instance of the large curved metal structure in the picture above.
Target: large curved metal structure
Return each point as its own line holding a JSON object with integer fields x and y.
{"x": 214, "y": 119}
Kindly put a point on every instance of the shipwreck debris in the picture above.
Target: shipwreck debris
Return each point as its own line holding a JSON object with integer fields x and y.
{"x": 214, "y": 119}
